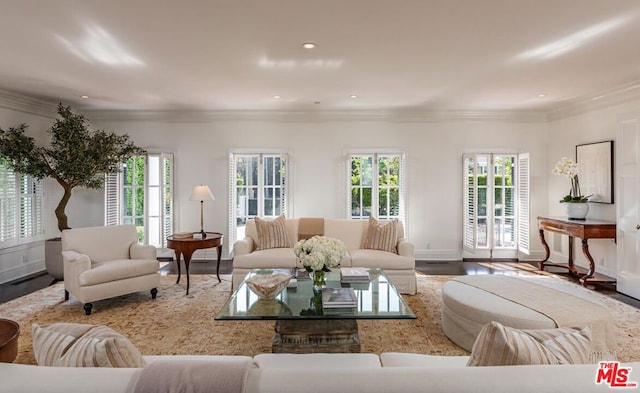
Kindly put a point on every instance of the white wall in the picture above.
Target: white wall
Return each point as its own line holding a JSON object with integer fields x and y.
{"x": 594, "y": 125}
{"x": 317, "y": 148}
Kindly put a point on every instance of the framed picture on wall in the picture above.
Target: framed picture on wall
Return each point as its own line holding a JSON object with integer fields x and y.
{"x": 595, "y": 170}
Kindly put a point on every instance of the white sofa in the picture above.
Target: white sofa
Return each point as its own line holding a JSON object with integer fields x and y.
{"x": 104, "y": 262}
{"x": 283, "y": 373}
{"x": 400, "y": 267}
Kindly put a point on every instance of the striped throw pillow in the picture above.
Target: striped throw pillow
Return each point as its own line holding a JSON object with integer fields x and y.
{"x": 499, "y": 345}
{"x": 272, "y": 233}
{"x": 80, "y": 345}
{"x": 381, "y": 236}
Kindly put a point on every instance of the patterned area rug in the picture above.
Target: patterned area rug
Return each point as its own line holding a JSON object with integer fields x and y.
{"x": 179, "y": 324}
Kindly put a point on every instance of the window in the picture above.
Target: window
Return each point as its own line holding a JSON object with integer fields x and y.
{"x": 142, "y": 195}
{"x": 496, "y": 216}
{"x": 376, "y": 186}
{"x": 258, "y": 188}
{"x": 20, "y": 208}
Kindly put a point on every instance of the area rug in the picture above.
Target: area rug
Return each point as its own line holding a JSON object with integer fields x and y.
{"x": 175, "y": 323}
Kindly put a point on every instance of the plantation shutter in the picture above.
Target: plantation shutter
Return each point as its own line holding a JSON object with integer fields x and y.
{"x": 284, "y": 194}
{"x": 523, "y": 203}
{"x": 232, "y": 199}
{"x": 469, "y": 176}
{"x": 8, "y": 213}
{"x": 30, "y": 207}
{"x": 112, "y": 199}
{"x": 167, "y": 196}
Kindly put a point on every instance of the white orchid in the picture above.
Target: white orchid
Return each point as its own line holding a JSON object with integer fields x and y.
{"x": 567, "y": 167}
{"x": 320, "y": 253}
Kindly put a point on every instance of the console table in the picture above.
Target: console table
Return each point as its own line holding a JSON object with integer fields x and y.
{"x": 583, "y": 229}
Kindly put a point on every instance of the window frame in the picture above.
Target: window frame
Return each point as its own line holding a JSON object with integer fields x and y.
{"x": 115, "y": 203}
{"x": 375, "y": 156}
{"x": 260, "y": 188}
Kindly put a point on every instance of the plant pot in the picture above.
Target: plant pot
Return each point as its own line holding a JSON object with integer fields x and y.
{"x": 576, "y": 211}
{"x": 53, "y": 258}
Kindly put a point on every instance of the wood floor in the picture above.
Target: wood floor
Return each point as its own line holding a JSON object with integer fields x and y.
{"x": 26, "y": 285}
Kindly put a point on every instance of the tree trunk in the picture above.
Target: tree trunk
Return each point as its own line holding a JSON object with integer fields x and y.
{"x": 62, "y": 205}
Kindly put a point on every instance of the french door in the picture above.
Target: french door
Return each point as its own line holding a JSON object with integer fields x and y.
{"x": 496, "y": 205}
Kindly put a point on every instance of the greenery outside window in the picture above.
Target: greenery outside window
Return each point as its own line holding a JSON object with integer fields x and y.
{"x": 376, "y": 185}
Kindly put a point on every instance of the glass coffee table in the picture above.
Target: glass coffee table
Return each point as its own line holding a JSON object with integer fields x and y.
{"x": 302, "y": 325}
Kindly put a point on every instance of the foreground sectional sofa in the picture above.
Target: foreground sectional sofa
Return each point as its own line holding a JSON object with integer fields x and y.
{"x": 399, "y": 265}
{"x": 314, "y": 373}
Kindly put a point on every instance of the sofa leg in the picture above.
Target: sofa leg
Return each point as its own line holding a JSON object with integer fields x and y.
{"x": 154, "y": 292}
{"x": 66, "y": 295}
{"x": 87, "y": 308}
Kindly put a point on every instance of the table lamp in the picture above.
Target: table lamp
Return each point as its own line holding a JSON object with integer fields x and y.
{"x": 202, "y": 193}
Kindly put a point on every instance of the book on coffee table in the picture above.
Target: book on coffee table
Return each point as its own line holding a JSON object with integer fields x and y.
{"x": 354, "y": 274}
{"x": 339, "y": 298}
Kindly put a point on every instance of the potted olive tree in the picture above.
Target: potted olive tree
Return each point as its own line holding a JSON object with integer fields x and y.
{"x": 75, "y": 157}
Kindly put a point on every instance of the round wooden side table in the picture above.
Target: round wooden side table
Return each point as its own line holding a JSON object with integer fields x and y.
{"x": 186, "y": 247}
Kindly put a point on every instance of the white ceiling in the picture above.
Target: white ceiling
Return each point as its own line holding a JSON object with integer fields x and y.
{"x": 474, "y": 55}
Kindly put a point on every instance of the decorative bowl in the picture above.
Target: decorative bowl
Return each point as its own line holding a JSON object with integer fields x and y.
{"x": 268, "y": 286}
{"x": 9, "y": 332}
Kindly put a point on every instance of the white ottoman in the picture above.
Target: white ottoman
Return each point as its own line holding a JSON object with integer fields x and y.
{"x": 466, "y": 309}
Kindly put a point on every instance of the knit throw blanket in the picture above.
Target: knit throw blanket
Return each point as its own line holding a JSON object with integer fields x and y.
{"x": 564, "y": 309}
{"x": 193, "y": 376}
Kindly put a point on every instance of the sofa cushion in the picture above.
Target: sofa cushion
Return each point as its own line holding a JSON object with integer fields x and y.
{"x": 381, "y": 259}
{"x": 272, "y": 233}
{"x": 400, "y": 359}
{"x": 350, "y": 232}
{"x": 274, "y": 257}
{"x": 115, "y": 270}
{"x": 381, "y": 235}
{"x": 499, "y": 345}
{"x": 80, "y": 345}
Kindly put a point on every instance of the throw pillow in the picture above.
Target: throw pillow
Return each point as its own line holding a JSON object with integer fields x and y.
{"x": 499, "y": 345}
{"x": 80, "y": 345}
{"x": 272, "y": 233}
{"x": 381, "y": 235}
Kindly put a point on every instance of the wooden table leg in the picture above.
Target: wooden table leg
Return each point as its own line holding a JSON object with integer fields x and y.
{"x": 178, "y": 253}
{"x": 592, "y": 265}
{"x": 546, "y": 249}
{"x": 187, "y": 260}
{"x": 218, "y": 265}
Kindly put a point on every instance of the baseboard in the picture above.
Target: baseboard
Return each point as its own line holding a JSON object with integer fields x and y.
{"x": 438, "y": 255}
{"x": 23, "y": 270}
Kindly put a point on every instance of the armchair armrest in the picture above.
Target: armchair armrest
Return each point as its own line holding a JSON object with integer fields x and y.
{"x": 139, "y": 251}
{"x": 75, "y": 263}
{"x": 242, "y": 247}
{"x": 405, "y": 248}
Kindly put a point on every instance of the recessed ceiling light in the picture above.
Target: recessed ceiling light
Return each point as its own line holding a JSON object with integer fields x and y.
{"x": 308, "y": 45}
{"x": 276, "y": 97}
{"x": 353, "y": 96}
{"x": 542, "y": 95}
{"x": 84, "y": 97}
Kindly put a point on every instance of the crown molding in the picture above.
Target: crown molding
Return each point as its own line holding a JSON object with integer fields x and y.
{"x": 396, "y": 116}
{"x": 30, "y": 105}
{"x": 619, "y": 95}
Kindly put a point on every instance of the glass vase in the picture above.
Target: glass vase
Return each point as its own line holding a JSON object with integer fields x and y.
{"x": 319, "y": 279}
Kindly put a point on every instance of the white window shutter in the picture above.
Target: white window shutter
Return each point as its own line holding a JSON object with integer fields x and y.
{"x": 470, "y": 198}
{"x": 166, "y": 196}
{"x": 8, "y": 208}
{"x": 523, "y": 203}
{"x": 112, "y": 200}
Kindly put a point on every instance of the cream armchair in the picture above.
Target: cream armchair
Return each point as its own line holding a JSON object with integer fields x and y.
{"x": 104, "y": 262}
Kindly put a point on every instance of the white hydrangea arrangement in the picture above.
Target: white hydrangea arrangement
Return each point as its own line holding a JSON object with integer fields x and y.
{"x": 320, "y": 253}
{"x": 566, "y": 167}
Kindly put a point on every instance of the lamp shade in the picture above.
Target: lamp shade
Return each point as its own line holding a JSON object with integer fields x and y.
{"x": 201, "y": 193}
